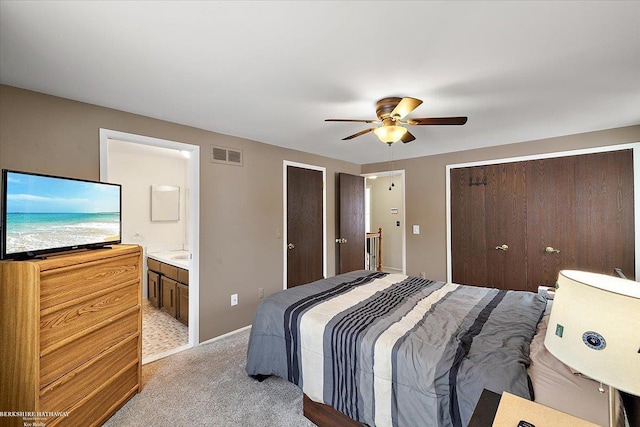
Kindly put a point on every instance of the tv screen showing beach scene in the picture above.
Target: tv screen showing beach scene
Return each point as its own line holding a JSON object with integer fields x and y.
{"x": 44, "y": 213}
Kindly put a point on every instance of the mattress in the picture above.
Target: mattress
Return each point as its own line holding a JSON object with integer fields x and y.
{"x": 558, "y": 386}
{"x": 388, "y": 349}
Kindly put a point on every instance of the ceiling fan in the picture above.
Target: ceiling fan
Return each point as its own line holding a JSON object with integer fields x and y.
{"x": 391, "y": 114}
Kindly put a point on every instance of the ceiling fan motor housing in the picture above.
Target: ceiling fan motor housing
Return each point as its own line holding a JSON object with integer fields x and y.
{"x": 385, "y": 106}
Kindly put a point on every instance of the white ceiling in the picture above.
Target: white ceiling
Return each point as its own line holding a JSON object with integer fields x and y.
{"x": 273, "y": 71}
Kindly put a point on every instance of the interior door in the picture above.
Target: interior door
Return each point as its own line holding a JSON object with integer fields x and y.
{"x": 468, "y": 231}
{"x": 304, "y": 226}
{"x": 350, "y": 233}
{"x": 488, "y": 229}
{"x": 574, "y": 212}
{"x": 505, "y": 210}
{"x": 605, "y": 229}
{"x": 551, "y": 212}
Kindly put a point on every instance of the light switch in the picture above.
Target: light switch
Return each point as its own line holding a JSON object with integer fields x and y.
{"x": 416, "y": 229}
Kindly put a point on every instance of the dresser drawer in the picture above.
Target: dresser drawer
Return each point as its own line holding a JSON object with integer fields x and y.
{"x": 64, "y": 284}
{"x": 62, "y": 394}
{"x": 55, "y": 363}
{"x": 71, "y": 319}
{"x": 98, "y": 407}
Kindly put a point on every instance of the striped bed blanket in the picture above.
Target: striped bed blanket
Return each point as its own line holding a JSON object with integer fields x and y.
{"x": 394, "y": 350}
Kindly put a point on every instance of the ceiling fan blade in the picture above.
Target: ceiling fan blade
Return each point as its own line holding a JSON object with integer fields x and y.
{"x": 437, "y": 121}
{"x": 407, "y": 137}
{"x": 355, "y": 135}
{"x": 405, "y": 106}
{"x": 351, "y": 120}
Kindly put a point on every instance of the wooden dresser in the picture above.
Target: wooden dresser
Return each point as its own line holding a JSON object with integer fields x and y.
{"x": 70, "y": 336}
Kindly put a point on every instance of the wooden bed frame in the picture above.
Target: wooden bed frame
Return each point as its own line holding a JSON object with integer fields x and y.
{"x": 325, "y": 416}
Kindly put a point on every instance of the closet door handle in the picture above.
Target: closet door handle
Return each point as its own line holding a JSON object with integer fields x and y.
{"x": 291, "y": 246}
{"x": 550, "y": 250}
{"x": 502, "y": 247}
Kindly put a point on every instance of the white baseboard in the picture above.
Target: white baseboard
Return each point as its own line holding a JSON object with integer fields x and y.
{"x": 237, "y": 331}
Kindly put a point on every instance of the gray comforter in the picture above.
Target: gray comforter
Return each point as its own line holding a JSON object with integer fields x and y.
{"x": 393, "y": 350}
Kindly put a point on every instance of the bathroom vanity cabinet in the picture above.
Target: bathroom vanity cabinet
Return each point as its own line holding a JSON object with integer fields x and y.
{"x": 183, "y": 302}
{"x": 153, "y": 287}
{"x": 169, "y": 292}
{"x": 168, "y": 288}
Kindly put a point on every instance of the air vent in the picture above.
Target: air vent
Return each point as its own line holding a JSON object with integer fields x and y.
{"x": 219, "y": 154}
{"x": 226, "y": 155}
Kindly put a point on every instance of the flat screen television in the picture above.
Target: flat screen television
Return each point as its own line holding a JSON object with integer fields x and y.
{"x": 43, "y": 214}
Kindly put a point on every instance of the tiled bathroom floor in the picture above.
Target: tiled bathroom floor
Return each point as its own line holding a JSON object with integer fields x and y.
{"x": 160, "y": 331}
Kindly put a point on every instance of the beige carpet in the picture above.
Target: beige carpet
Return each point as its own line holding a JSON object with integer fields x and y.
{"x": 208, "y": 386}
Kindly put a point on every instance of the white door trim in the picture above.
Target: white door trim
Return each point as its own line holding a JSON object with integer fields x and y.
{"x": 285, "y": 164}
{"x": 194, "y": 213}
{"x": 635, "y": 146}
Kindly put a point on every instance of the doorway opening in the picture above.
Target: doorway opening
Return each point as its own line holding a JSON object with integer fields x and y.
{"x": 135, "y": 159}
{"x": 385, "y": 209}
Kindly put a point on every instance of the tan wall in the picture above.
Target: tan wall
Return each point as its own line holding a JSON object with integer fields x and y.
{"x": 240, "y": 207}
{"x": 425, "y": 194}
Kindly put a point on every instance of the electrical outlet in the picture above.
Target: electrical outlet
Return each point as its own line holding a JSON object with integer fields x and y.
{"x": 234, "y": 299}
{"x": 260, "y": 293}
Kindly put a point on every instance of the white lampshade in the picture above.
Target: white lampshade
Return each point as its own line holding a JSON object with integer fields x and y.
{"x": 594, "y": 328}
{"x": 390, "y": 134}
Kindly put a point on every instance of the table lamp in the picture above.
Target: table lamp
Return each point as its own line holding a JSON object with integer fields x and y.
{"x": 594, "y": 328}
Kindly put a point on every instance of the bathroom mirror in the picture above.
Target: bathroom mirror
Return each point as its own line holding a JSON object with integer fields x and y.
{"x": 165, "y": 203}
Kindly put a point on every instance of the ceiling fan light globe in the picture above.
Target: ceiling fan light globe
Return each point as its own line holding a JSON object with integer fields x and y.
{"x": 390, "y": 134}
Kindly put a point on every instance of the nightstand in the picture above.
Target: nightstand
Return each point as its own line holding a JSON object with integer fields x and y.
{"x": 485, "y": 410}
{"x": 490, "y": 411}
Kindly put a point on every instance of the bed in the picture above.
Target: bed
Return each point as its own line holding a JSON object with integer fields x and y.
{"x": 394, "y": 350}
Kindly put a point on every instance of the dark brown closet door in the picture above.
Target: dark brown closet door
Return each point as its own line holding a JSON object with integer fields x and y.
{"x": 488, "y": 239}
{"x": 604, "y": 212}
{"x": 468, "y": 232}
{"x": 550, "y": 219}
{"x": 572, "y": 212}
{"x": 506, "y": 210}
